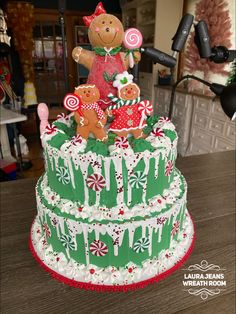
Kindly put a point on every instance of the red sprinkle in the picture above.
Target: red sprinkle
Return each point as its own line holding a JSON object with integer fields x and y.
{"x": 159, "y": 201}
{"x": 121, "y": 212}
{"x": 58, "y": 259}
{"x": 80, "y": 209}
{"x": 130, "y": 269}
{"x": 92, "y": 271}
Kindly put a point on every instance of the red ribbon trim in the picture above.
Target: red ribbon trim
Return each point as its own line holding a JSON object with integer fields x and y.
{"x": 98, "y": 11}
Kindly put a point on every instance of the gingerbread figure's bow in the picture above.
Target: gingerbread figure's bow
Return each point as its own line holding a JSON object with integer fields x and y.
{"x": 99, "y": 10}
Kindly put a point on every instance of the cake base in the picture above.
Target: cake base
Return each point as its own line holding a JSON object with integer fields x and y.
{"x": 151, "y": 272}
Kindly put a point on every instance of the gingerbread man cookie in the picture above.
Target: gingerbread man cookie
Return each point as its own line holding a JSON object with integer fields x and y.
{"x": 87, "y": 113}
{"x": 106, "y": 34}
{"x": 129, "y": 112}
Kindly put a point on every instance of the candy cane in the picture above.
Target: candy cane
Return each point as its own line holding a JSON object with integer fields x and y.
{"x": 145, "y": 107}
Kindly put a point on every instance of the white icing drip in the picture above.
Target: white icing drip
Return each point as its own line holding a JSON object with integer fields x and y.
{"x": 160, "y": 232}
{"x": 62, "y": 225}
{"x": 84, "y": 170}
{"x": 58, "y": 230}
{"x": 131, "y": 163}
{"x": 156, "y": 167}
{"x": 145, "y": 172}
{"x": 86, "y": 247}
{"x": 144, "y": 232}
{"x": 150, "y": 232}
{"x": 119, "y": 179}
{"x": 107, "y": 162}
{"x": 131, "y": 230}
{"x": 96, "y": 234}
{"x": 69, "y": 163}
{"x": 68, "y": 253}
{"x": 116, "y": 248}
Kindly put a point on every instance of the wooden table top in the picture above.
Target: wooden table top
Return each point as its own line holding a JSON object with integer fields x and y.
{"x": 27, "y": 288}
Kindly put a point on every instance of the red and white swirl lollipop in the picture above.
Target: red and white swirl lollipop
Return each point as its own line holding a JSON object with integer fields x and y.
{"x": 133, "y": 39}
{"x": 72, "y": 102}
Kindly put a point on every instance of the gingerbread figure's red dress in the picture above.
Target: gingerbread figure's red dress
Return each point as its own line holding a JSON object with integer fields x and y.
{"x": 105, "y": 35}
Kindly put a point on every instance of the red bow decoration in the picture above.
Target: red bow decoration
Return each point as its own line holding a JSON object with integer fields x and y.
{"x": 99, "y": 10}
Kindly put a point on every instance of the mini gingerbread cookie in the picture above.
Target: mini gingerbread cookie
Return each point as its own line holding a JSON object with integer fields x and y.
{"x": 129, "y": 112}
{"x": 106, "y": 34}
{"x": 88, "y": 114}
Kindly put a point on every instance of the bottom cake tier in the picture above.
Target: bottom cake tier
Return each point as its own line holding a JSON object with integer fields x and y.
{"x": 113, "y": 255}
{"x": 110, "y": 278}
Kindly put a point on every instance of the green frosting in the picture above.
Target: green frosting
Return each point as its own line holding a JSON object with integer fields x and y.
{"x": 100, "y": 148}
{"x": 141, "y": 145}
{"x": 58, "y": 140}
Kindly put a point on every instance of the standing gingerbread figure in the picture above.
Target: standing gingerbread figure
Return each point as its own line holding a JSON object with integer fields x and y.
{"x": 106, "y": 34}
{"x": 89, "y": 116}
{"x": 129, "y": 112}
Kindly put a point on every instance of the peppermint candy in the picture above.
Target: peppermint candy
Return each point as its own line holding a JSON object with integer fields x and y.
{"x": 77, "y": 139}
{"x": 141, "y": 245}
{"x": 62, "y": 116}
{"x": 98, "y": 248}
{"x": 137, "y": 179}
{"x": 145, "y": 107}
{"x": 96, "y": 182}
{"x": 169, "y": 168}
{"x": 67, "y": 242}
{"x": 46, "y": 230}
{"x": 163, "y": 119}
{"x": 121, "y": 142}
{"x": 50, "y": 129}
{"x": 175, "y": 228}
{"x": 72, "y": 102}
{"x": 158, "y": 132}
{"x": 63, "y": 175}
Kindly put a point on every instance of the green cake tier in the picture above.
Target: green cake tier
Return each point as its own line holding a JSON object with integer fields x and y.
{"x": 116, "y": 173}
{"x": 135, "y": 236}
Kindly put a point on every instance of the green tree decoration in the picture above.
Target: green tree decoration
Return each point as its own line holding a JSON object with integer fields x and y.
{"x": 216, "y": 15}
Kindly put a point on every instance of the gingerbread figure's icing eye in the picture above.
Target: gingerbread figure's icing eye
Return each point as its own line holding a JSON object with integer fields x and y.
{"x": 110, "y": 22}
{"x": 103, "y": 22}
{"x": 84, "y": 91}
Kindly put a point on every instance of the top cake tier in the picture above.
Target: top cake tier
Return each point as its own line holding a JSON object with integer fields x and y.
{"x": 120, "y": 172}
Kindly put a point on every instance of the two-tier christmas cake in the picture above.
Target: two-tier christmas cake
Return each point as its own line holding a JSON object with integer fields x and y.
{"x": 111, "y": 205}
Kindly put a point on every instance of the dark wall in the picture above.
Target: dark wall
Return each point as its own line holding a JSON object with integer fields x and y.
{"x": 111, "y": 6}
